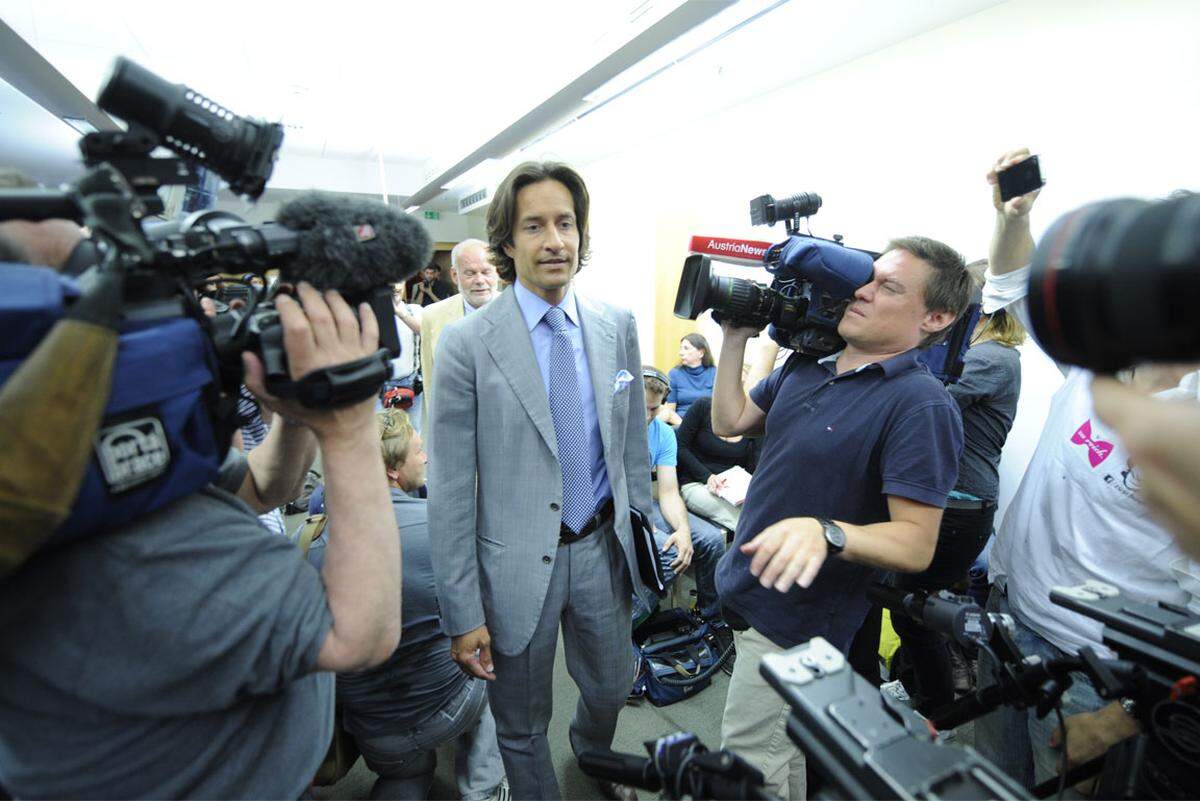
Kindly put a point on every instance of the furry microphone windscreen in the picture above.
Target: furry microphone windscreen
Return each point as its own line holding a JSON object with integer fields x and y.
{"x": 350, "y": 244}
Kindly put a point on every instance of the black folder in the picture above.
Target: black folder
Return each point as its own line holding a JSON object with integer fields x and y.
{"x": 649, "y": 564}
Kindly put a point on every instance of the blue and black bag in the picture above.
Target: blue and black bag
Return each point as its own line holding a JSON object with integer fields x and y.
{"x": 678, "y": 655}
{"x": 162, "y": 437}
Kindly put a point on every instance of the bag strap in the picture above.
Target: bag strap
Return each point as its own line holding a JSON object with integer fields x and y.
{"x": 314, "y": 526}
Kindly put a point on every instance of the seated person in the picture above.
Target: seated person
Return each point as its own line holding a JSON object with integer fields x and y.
{"x": 400, "y": 712}
{"x": 692, "y": 536}
{"x": 702, "y": 456}
{"x": 691, "y": 379}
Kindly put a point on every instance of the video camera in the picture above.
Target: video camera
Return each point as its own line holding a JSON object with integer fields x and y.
{"x": 866, "y": 744}
{"x": 1157, "y": 667}
{"x": 1118, "y": 282}
{"x": 815, "y": 280}
{"x": 171, "y": 407}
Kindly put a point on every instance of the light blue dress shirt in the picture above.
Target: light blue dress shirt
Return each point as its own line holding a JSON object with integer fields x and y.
{"x": 533, "y": 309}
{"x": 467, "y": 307}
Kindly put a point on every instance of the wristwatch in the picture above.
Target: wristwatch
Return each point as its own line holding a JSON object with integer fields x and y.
{"x": 835, "y": 538}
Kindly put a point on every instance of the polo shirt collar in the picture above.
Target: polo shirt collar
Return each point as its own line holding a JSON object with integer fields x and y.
{"x": 533, "y": 307}
{"x": 894, "y": 366}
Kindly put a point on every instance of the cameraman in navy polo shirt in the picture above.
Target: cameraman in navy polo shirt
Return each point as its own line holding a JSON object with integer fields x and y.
{"x": 859, "y": 452}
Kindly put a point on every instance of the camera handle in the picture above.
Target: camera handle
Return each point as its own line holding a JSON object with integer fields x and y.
{"x": 679, "y": 765}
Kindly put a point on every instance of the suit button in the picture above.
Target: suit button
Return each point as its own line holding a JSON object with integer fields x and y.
{"x": 546, "y": 559}
{"x": 554, "y": 507}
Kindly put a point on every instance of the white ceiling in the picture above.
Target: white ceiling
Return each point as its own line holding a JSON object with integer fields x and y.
{"x": 422, "y": 85}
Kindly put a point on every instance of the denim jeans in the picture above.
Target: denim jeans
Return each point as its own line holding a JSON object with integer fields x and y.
{"x": 414, "y": 411}
{"x": 406, "y": 761}
{"x": 1015, "y": 740}
{"x": 708, "y": 546}
{"x": 962, "y": 536}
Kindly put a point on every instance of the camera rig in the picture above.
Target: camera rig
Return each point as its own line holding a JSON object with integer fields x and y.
{"x": 158, "y": 265}
{"x": 864, "y": 744}
{"x": 814, "y": 280}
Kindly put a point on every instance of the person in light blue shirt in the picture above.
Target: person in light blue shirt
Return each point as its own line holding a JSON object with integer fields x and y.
{"x": 691, "y": 379}
{"x": 691, "y": 537}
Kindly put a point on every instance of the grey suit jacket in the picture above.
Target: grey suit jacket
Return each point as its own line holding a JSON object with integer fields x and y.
{"x": 495, "y": 485}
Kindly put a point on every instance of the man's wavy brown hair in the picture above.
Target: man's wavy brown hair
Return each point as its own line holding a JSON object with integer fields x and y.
{"x": 502, "y": 213}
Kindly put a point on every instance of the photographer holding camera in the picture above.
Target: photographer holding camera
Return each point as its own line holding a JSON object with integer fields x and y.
{"x": 178, "y": 656}
{"x": 860, "y": 451}
{"x": 1078, "y": 514}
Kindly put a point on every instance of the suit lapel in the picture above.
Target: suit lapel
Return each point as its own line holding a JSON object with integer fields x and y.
{"x": 600, "y": 343}
{"x": 512, "y": 349}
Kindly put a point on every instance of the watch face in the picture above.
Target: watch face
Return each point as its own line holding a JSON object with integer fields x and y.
{"x": 834, "y": 535}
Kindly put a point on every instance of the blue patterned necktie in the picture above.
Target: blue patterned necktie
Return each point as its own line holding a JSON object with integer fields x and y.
{"x": 566, "y": 407}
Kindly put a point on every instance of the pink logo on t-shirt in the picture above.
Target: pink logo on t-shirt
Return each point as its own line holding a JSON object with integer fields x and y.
{"x": 1098, "y": 449}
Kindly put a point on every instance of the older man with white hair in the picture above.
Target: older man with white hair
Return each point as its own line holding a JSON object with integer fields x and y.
{"x": 477, "y": 282}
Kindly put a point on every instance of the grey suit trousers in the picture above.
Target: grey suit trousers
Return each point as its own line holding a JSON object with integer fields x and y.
{"x": 591, "y": 594}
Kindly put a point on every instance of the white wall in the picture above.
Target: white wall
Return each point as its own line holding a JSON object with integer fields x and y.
{"x": 898, "y": 142}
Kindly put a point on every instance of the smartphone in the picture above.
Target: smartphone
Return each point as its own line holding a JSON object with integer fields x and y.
{"x": 1020, "y": 179}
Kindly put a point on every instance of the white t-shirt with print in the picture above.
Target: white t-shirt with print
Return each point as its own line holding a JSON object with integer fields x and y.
{"x": 1077, "y": 514}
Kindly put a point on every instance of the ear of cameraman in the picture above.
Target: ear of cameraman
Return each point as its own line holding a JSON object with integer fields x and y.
{"x": 860, "y": 452}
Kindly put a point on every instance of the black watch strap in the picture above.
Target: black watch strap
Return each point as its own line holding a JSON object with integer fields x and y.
{"x": 835, "y": 537}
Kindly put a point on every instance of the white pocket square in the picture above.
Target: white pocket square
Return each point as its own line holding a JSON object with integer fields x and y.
{"x": 622, "y": 380}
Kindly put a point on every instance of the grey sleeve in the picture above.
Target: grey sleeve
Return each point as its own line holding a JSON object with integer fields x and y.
{"x": 453, "y": 469}
{"x": 982, "y": 377}
{"x": 233, "y": 471}
{"x": 637, "y": 449}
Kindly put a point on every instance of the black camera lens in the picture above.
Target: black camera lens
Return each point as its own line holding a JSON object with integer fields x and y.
{"x": 242, "y": 151}
{"x": 1118, "y": 282}
{"x": 736, "y": 299}
{"x": 766, "y": 210}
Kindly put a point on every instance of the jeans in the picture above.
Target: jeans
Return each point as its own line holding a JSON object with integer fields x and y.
{"x": 962, "y": 536}
{"x": 1015, "y": 739}
{"x": 405, "y": 762}
{"x": 708, "y": 546}
{"x": 704, "y": 503}
{"x": 414, "y": 411}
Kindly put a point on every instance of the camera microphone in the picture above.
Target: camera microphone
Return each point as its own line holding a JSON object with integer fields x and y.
{"x": 354, "y": 246}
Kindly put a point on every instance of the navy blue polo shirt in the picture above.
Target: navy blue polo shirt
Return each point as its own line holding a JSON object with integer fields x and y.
{"x": 836, "y": 446}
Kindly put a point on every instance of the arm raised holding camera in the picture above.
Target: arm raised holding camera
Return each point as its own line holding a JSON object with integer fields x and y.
{"x": 733, "y": 412}
{"x": 1012, "y": 243}
{"x": 362, "y": 562}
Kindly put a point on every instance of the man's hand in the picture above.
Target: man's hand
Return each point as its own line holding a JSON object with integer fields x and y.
{"x": 788, "y": 552}
{"x": 1012, "y": 243}
{"x": 681, "y": 540}
{"x": 1018, "y": 206}
{"x": 319, "y": 331}
{"x": 1163, "y": 441}
{"x": 731, "y": 330}
{"x": 1090, "y": 734}
{"x": 715, "y": 484}
{"x": 473, "y": 653}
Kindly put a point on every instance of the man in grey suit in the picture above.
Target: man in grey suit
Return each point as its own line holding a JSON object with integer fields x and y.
{"x": 539, "y": 451}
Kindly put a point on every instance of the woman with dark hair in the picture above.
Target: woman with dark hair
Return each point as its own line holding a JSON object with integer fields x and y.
{"x": 703, "y": 456}
{"x": 691, "y": 379}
